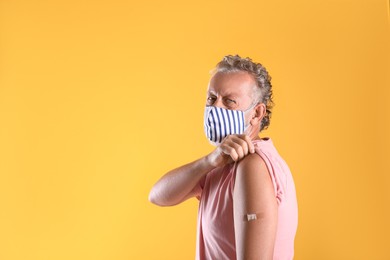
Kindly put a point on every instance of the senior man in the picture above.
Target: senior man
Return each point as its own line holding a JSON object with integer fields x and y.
{"x": 247, "y": 200}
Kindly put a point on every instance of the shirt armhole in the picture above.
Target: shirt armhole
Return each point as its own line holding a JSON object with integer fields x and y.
{"x": 268, "y": 164}
{"x": 279, "y": 190}
{"x": 198, "y": 189}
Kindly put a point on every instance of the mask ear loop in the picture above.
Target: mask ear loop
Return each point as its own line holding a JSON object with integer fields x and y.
{"x": 251, "y": 107}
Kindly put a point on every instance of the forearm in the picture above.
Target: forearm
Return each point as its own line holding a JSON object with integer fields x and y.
{"x": 175, "y": 185}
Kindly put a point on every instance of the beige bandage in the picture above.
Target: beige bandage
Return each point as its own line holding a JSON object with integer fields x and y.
{"x": 250, "y": 217}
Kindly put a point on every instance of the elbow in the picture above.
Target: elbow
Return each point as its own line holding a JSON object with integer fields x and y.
{"x": 155, "y": 199}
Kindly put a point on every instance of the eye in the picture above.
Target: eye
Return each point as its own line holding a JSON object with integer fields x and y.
{"x": 230, "y": 102}
{"x": 211, "y": 99}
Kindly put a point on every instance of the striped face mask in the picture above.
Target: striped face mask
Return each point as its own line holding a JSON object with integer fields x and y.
{"x": 220, "y": 122}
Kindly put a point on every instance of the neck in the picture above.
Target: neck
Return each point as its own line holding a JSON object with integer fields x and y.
{"x": 253, "y": 132}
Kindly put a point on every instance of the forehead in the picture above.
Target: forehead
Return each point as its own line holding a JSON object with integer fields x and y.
{"x": 239, "y": 84}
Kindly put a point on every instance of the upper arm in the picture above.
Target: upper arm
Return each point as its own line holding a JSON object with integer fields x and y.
{"x": 197, "y": 190}
{"x": 254, "y": 194}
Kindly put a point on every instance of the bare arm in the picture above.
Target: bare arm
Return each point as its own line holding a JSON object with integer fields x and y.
{"x": 254, "y": 194}
{"x": 178, "y": 184}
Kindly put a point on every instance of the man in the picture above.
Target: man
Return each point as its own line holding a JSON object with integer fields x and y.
{"x": 248, "y": 206}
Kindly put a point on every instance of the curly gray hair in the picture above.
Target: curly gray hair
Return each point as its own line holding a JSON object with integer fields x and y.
{"x": 235, "y": 63}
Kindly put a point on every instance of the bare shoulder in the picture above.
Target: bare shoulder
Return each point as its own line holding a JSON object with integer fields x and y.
{"x": 252, "y": 164}
{"x": 253, "y": 177}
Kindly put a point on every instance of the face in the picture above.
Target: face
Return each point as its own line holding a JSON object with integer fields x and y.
{"x": 233, "y": 90}
{"x": 236, "y": 91}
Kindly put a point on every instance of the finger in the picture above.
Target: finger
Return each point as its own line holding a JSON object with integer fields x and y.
{"x": 238, "y": 148}
{"x": 240, "y": 140}
{"x": 229, "y": 149}
{"x": 250, "y": 143}
{"x": 233, "y": 154}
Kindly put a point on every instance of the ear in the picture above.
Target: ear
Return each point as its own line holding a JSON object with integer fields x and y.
{"x": 258, "y": 114}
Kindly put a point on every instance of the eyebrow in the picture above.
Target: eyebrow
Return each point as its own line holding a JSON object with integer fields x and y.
{"x": 229, "y": 95}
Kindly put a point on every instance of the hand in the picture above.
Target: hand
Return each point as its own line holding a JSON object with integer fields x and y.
{"x": 232, "y": 148}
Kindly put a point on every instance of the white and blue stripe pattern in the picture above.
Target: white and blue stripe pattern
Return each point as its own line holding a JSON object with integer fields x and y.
{"x": 220, "y": 122}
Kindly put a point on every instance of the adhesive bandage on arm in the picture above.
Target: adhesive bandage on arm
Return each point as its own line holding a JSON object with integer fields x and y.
{"x": 251, "y": 216}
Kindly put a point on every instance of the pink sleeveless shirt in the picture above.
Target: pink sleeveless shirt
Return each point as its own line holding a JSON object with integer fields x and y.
{"x": 215, "y": 226}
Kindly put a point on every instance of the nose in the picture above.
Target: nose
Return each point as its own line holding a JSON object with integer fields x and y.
{"x": 218, "y": 103}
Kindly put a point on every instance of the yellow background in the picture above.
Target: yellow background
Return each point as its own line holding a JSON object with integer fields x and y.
{"x": 98, "y": 99}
